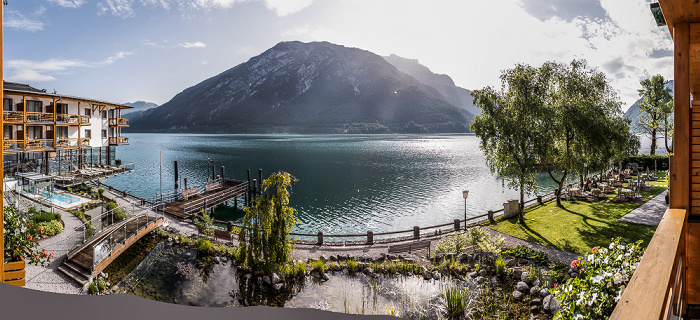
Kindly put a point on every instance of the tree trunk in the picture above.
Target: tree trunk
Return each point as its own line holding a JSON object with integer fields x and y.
{"x": 668, "y": 150}
{"x": 521, "y": 214}
{"x": 653, "y": 142}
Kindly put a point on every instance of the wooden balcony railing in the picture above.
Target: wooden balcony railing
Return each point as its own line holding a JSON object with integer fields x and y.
{"x": 39, "y": 117}
{"x": 13, "y": 145}
{"x": 117, "y": 141}
{"x": 121, "y": 122}
{"x": 72, "y": 119}
{"x": 37, "y": 144}
{"x": 67, "y": 143}
{"x": 13, "y": 116}
{"x": 656, "y": 288}
{"x": 84, "y": 142}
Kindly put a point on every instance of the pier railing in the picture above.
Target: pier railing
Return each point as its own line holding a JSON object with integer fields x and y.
{"x": 92, "y": 229}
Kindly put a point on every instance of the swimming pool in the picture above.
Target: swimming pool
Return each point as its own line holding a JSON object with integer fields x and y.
{"x": 61, "y": 199}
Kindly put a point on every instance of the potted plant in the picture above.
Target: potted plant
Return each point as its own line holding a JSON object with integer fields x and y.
{"x": 118, "y": 163}
{"x": 21, "y": 237}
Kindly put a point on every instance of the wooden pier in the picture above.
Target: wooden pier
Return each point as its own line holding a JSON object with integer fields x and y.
{"x": 188, "y": 203}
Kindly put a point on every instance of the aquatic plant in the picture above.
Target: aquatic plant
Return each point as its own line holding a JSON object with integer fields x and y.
{"x": 92, "y": 288}
{"x": 318, "y": 265}
{"x": 351, "y": 265}
{"x": 204, "y": 246}
{"x": 500, "y": 265}
{"x": 101, "y": 285}
{"x": 455, "y": 301}
{"x": 186, "y": 270}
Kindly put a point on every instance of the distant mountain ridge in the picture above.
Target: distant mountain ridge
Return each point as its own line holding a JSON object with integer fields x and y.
{"x": 455, "y": 95}
{"x": 634, "y": 111}
{"x": 139, "y": 106}
{"x": 315, "y": 87}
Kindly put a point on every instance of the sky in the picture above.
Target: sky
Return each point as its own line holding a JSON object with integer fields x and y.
{"x": 127, "y": 50}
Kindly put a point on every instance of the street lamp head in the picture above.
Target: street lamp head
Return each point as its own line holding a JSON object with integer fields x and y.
{"x": 465, "y": 193}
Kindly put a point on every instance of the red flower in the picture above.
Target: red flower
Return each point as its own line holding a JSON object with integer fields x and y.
{"x": 31, "y": 224}
{"x": 37, "y": 256}
{"x": 580, "y": 271}
{"x": 41, "y": 230}
{"x": 574, "y": 264}
{"x": 31, "y": 238}
{"x": 595, "y": 249}
{"x": 51, "y": 255}
{"x": 43, "y": 251}
{"x": 555, "y": 285}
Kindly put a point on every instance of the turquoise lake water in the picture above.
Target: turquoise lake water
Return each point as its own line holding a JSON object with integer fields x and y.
{"x": 346, "y": 183}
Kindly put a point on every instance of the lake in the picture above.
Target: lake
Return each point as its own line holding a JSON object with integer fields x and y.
{"x": 346, "y": 183}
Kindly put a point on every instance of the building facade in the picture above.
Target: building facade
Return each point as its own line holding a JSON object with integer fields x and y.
{"x": 54, "y": 134}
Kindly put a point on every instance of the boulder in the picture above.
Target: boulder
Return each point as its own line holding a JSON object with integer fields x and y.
{"x": 550, "y": 304}
{"x": 391, "y": 256}
{"x": 525, "y": 277}
{"x": 517, "y": 272}
{"x": 510, "y": 263}
{"x": 333, "y": 258}
{"x": 325, "y": 277}
{"x": 217, "y": 259}
{"x": 544, "y": 292}
{"x": 323, "y": 258}
{"x": 367, "y": 270}
{"x": 536, "y": 283}
{"x": 436, "y": 275}
{"x": 534, "y": 291}
{"x": 522, "y": 286}
{"x": 427, "y": 275}
{"x": 533, "y": 309}
{"x": 535, "y": 302}
{"x": 267, "y": 280}
{"x": 315, "y": 274}
{"x": 275, "y": 279}
{"x": 278, "y": 286}
{"x": 517, "y": 295}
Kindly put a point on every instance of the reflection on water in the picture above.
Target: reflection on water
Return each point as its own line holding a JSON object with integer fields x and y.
{"x": 178, "y": 275}
{"x": 346, "y": 183}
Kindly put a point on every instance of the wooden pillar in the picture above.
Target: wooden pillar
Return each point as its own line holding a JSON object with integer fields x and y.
{"x": 247, "y": 201}
{"x": 2, "y": 154}
{"x": 260, "y": 181}
{"x": 176, "y": 175}
{"x": 222, "y": 173}
{"x": 679, "y": 183}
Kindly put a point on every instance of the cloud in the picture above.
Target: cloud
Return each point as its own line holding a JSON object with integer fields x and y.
{"x": 119, "y": 8}
{"x": 193, "y": 44}
{"x": 286, "y": 7}
{"x": 15, "y": 20}
{"x": 42, "y": 71}
{"x": 68, "y": 3}
{"x": 297, "y": 31}
{"x": 205, "y": 62}
{"x": 566, "y": 10}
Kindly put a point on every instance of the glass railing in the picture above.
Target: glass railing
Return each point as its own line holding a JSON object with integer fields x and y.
{"x": 122, "y": 233}
{"x": 118, "y": 122}
{"x": 35, "y": 144}
{"x": 67, "y": 143}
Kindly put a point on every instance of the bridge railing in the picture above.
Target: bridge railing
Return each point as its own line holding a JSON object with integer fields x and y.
{"x": 122, "y": 233}
{"x": 193, "y": 207}
{"x": 92, "y": 229}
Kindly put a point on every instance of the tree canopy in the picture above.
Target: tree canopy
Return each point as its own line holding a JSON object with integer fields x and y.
{"x": 656, "y": 106}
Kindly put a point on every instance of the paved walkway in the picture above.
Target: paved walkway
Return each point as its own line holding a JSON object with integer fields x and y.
{"x": 649, "y": 213}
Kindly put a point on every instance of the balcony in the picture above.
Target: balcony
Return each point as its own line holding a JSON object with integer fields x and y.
{"x": 118, "y": 141}
{"x": 38, "y": 144}
{"x": 13, "y": 116}
{"x": 72, "y": 119}
{"x": 13, "y": 145}
{"x": 84, "y": 142}
{"x": 67, "y": 143}
{"x": 40, "y": 117}
{"x": 118, "y": 122}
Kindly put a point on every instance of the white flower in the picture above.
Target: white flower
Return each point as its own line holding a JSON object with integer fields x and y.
{"x": 590, "y": 257}
{"x": 619, "y": 257}
{"x": 597, "y": 279}
{"x": 609, "y": 284}
{"x": 617, "y": 278}
{"x": 16, "y": 232}
{"x": 612, "y": 244}
{"x": 621, "y": 247}
{"x": 595, "y": 296}
{"x": 603, "y": 251}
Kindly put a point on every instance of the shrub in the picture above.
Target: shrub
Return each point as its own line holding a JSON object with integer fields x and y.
{"x": 521, "y": 251}
{"x": 44, "y": 216}
{"x": 205, "y": 223}
{"x": 120, "y": 215}
{"x": 111, "y": 205}
{"x": 456, "y": 243}
{"x": 605, "y": 272}
{"x": 352, "y": 265}
{"x": 51, "y": 228}
{"x": 204, "y": 245}
{"x": 100, "y": 191}
{"x": 101, "y": 285}
{"x": 500, "y": 265}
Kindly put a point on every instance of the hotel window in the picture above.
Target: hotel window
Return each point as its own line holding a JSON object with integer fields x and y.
{"x": 104, "y": 133}
{"x": 61, "y": 108}
{"x": 7, "y": 132}
{"x": 111, "y": 113}
{"x": 34, "y": 132}
{"x": 33, "y": 106}
{"x": 62, "y": 132}
{"x": 7, "y": 104}
{"x": 104, "y": 114}
{"x": 87, "y": 133}
{"x": 87, "y": 111}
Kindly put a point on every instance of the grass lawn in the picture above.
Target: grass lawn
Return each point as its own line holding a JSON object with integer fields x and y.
{"x": 578, "y": 226}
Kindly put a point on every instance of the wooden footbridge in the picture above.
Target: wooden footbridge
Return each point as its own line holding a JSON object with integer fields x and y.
{"x": 187, "y": 203}
{"x": 93, "y": 255}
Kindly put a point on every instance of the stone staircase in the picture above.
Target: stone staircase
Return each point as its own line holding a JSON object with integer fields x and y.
{"x": 77, "y": 273}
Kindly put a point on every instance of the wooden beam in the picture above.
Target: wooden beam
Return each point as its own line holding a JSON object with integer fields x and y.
{"x": 680, "y": 166}
{"x": 2, "y": 153}
{"x": 694, "y": 36}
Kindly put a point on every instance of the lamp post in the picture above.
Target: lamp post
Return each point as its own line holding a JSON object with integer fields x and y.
{"x": 465, "y": 193}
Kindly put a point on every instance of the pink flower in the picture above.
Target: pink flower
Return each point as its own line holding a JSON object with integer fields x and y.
{"x": 595, "y": 249}
{"x": 41, "y": 230}
{"x": 574, "y": 264}
{"x": 556, "y": 285}
{"x": 31, "y": 238}
{"x": 37, "y": 256}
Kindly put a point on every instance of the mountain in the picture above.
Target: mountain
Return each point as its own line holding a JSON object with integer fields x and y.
{"x": 634, "y": 111}
{"x": 315, "y": 87}
{"x": 455, "y": 95}
{"x": 139, "y": 106}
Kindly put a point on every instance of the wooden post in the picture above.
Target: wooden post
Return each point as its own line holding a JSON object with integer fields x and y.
{"x": 2, "y": 155}
{"x": 680, "y": 166}
{"x": 176, "y": 175}
{"x": 260, "y": 180}
{"x": 222, "y": 173}
{"x": 370, "y": 237}
{"x": 255, "y": 189}
{"x": 213, "y": 172}
{"x": 185, "y": 183}
{"x": 320, "y": 236}
{"x": 248, "y": 194}
{"x": 457, "y": 224}
{"x": 416, "y": 232}
{"x": 491, "y": 216}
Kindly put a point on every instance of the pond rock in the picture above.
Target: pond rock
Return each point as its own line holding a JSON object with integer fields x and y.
{"x": 473, "y": 274}
{"x": 367, "y": 270}
{"x": 427, "y": 275}
{"x": 534, "y": 291}
{"x": 544, "y": 292}
{"x": 517, "y": 295}
{"x": 522, "y": 286}
{"x": 536, "y": 283}
{"x": 325, "y": 277}
{"x": 517, "y": 272}
{"x": 436, "y": 275}
{"x": 333, "y": 258}
{"x": 267, "y": 280}
{"x": 525, "y": 277}
{"x": 483, "y": 272}
{"x": 391, "y": 257}
{"x": 275, "y": 278}
{"x": 535, "y": 302}
{"x": 278, "y": 286}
